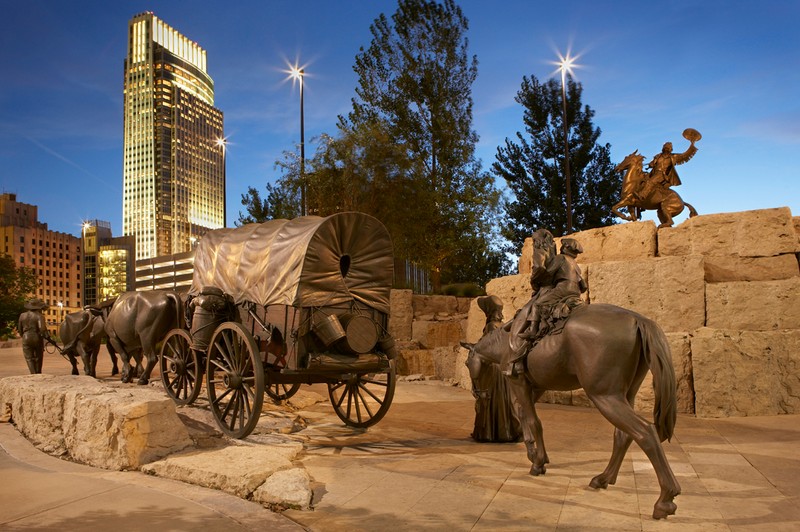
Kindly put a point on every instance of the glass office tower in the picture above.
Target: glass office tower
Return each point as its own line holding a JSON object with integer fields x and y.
{"x": 173, "y": 158}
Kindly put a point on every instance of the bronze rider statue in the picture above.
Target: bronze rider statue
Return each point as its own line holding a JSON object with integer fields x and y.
{"x": 558, "y": 285}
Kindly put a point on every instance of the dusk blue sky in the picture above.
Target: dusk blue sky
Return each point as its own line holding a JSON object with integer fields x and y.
{"x": 730, "y": 69}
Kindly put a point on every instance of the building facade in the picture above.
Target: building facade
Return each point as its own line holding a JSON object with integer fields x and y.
{"x": 116, "y": 264}
{"x": 108, "y": 262}
{"x": 173, "y": 149}
{"x": 55, "y": 257}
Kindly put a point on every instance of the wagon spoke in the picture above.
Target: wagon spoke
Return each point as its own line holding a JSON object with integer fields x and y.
{"x": 234, "y": 354}
{"x": 368, "y": 397}
{"x": 370, "y": 393}
{"x": 178, "y": 366}
{"x": 222, "y": 396}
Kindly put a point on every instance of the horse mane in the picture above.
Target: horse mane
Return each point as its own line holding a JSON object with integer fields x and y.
{"x": 634, "y": 175}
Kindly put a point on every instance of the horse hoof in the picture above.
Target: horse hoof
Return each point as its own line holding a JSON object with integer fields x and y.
{"x": 142, "y": 382}
{"x": 114, "y": 371}
{"x": 75, "y": 372}
{"x": 663, "y": 509}
{"x": 598, "y": 484}
{"x": 538, "y": 470}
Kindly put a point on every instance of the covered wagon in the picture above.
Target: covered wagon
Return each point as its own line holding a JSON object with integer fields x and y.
{"x": 282, "y": 303}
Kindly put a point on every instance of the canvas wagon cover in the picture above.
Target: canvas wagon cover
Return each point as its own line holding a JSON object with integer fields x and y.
{"x": 308, "y": 261}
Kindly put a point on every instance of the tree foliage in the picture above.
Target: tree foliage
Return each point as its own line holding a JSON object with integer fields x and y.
{"x": 281, "y": 203}
{"x": 415, "y": 86}
{"x": 533, "y": 165}
{"x": 16, "y": 286}
{"x": 406, "y": 152}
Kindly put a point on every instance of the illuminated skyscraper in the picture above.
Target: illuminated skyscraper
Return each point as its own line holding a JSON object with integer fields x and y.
{"x": 173, "y": 162}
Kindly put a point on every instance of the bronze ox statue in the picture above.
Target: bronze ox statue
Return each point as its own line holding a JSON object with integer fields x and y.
{"x": 607, "y": 351}
{"x": 82, "y": 333}
{"x": 138, "y": 321}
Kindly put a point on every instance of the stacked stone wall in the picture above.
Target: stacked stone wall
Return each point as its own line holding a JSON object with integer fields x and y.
{"x": 724, "y": 287}
{"x": 428, "y": 331}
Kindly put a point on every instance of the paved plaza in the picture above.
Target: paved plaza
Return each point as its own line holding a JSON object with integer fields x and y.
{"x": 418, "y": 469}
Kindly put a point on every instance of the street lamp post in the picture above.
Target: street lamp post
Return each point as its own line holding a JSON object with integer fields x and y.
{"x": 299, "y": 74}
{"x": 565, "y": 65}
{"x": 222, "y": 143}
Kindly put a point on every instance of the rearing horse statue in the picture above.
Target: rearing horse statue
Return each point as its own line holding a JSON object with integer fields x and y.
{"x": 637, "y": 197}
{"x": 607, "y": 351}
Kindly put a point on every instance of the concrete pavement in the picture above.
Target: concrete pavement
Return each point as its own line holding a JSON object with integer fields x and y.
{"x": 418, "y": 470}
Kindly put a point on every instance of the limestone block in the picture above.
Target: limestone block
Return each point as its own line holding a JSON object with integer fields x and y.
{"x": 463, "y": 304}
{"x": 669, "y": 290}
{"x": 796, "y": 222}
{"x": 759, "y": 233}
{"x": 628, "y": 241}
{"x": 746, "y": 373}
{"x": 432, "y": 307}
{"x": 754, "y": 306}
{"x": 476, "y": 321}
{"x": 236, "y": 469}
{"x": 445, "y": 360}
{"x": 720, "y": 269}
{"x": 432, "y": 334}
{"x": 514, "y": 290}
{"x": 288, "y": 488}
{"x": 462, "y": 378}
{"x": 113, "y": 427}
{"x": 402, "y": 314}
{"x": 525, "y": 264}
{"x": 680, "y": 347}
{"x": 415, "y": 361}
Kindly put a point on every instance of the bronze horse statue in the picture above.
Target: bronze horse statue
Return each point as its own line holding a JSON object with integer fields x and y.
{"x": 137, "y": 323}
{"x": 607, "y": 351}
{"x": 637, "y": 197}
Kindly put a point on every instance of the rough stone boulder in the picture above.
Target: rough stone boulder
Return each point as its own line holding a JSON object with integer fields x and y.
{"x": 432, "y": 334}
{"x": 114, "y": 427}
{"x": 746, "y": 373}
{"x": 758, "y": 233}
{"x": 438, "y": 307}
{"x": 514, "y": 290}
{"x": 669, "y": 290}
{"x": 242, "y": 470}
{"x": 629, "y": 241}
{"x": 754, "y": 306}
{"x": 402, "y": 314}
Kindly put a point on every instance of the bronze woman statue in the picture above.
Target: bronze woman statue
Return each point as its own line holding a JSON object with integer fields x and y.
{"x": 495, "y": 418}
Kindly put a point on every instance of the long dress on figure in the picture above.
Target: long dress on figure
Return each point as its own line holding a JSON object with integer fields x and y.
{"x": 495, "y": 420}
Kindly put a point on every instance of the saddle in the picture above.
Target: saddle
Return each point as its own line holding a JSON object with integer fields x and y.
{"x": 552, "y": 318}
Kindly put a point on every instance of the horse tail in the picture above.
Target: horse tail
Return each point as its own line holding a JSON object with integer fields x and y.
{"x": 692, "y": 212}
{"x": 656, "y": 352}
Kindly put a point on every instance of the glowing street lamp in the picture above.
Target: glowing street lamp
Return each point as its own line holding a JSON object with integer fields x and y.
{"x": 565, "y": 66}
{"x": 299, "y": 75}
{"x": 222, "y": 143}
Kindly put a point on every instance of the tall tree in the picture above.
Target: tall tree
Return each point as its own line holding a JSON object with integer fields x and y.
{"x": 533, "y": 166}
{"x": 16, "y": 286}
{"x": 415, "y": 84}
{"x": 282, "y": 202}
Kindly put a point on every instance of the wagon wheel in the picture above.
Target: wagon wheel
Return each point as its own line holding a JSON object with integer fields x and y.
{"x": 181, "y": 371}
{"x": 235, "y": 379}
{"x": 364, "y": 398}
{"x": 282, "y": 392}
